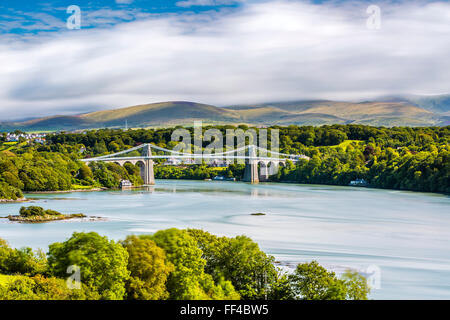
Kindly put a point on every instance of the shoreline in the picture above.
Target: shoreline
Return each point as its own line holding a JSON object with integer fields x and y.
{"x": 12, "y": 201}
{"x": 67, "y": 191}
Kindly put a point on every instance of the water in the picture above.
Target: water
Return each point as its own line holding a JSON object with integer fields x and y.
{"x": 404, "y": 234}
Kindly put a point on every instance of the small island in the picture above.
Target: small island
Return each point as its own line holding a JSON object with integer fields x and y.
{"x": 35, "y": 214}
{"x": 258, "y": 214}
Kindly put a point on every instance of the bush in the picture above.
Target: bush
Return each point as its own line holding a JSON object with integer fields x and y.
{"x": 38, "y": 288}
{"x": 51, "y": 212}
{"x": 31, "y": 211}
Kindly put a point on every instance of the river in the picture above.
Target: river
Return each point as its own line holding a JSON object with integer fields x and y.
{"x": 403, "y": 236}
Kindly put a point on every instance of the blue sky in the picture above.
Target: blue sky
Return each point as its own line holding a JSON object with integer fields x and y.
{"x": 24, "y": 16}
{"x": 218, "y": 52}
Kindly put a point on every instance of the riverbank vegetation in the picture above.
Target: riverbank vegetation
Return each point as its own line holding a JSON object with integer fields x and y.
{"x": 402, "y": 158}
{"x": 170, "y": 264}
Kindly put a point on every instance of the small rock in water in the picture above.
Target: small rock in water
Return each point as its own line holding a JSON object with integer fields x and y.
{"x": 258, "y": 214}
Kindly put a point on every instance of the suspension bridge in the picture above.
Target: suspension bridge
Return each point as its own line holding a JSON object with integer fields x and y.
{"x": 254, "y": 157}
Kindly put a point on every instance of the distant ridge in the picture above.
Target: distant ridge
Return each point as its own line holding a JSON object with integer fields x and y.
{"x": 395, "y": 111}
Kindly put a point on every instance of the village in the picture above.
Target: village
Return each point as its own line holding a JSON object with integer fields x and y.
{"x": 24, "y": 137}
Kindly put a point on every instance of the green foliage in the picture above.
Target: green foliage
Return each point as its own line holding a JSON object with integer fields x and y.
{"x": 357, "y": 288}
{"x": 148, "y": 268}
{"x": 51, "y": 212}
{"x": 239, "y": 260}
{"x": 33, "y": 211}
{"x": 21, "y": 261}
{"x": 38, "y": 288}
{"x": 191, "y": 172}
{"x": 110, "y": 174}
{"x": 85, "y": 173}
{"x": 189, "y": 280}
{"x": 103, "y": 263}
{"x": 311, "y": 281}
{"x": 9, "y": 192}
{"x": 175, "y": 264}
{"x": 39, "y": 169}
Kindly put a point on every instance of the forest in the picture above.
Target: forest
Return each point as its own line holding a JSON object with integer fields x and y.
{"x": 171, "y": 264}
{"x": 404, "y": 158}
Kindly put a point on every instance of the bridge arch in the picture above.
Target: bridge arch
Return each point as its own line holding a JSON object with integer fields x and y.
{"x": 263, "y": 170}
{"x": 141, "y": 165}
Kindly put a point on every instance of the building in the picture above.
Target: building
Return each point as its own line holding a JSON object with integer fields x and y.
{"x": 172, "y": 162}
{"x": 125, "y": 184}
{"x": 358, "y": 183}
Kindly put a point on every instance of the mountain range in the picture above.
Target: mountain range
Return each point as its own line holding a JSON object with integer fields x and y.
{"x": 386, "y": 111}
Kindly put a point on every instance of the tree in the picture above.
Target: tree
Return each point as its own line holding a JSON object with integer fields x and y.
{"x": 357, "y": 288}
{"x": 102, "y": 263}
{"x": 149, "y": 269}
{"x": 31, "y": 211}
{"x": 21, "y": 261}
{"x": 311, "y": 281}
{"x": 238, "y": 260}
{"x": 5, "y": 251}
{"x": 85, "y": 172}
{"x": 189, "y": 280}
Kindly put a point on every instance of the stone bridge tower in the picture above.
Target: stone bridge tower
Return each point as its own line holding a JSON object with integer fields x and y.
{"x": 149, "y": 176}
{"x": 251, "y": 166}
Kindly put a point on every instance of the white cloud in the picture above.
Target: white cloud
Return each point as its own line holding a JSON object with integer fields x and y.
{"x": 263, "y": 52}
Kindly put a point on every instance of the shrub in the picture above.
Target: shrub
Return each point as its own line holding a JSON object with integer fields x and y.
{"x": 38, "y": 288}
{"x": 31, "y": 211}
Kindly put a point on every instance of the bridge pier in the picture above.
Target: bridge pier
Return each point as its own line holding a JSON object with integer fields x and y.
{"x": 149, "y": 175}
{"x": 251, "y": 173}
{"x": 251, "y": 167}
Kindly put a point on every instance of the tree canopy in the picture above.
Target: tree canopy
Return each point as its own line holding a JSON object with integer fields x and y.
{"x": 102, "y": 262}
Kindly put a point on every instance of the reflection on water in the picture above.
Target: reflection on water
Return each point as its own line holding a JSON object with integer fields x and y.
{"x": 404, "y": 234}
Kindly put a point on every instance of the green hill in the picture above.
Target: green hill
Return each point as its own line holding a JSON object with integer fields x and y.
{"x": 164, "y": 112}
{"x": 317, "y": 112}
